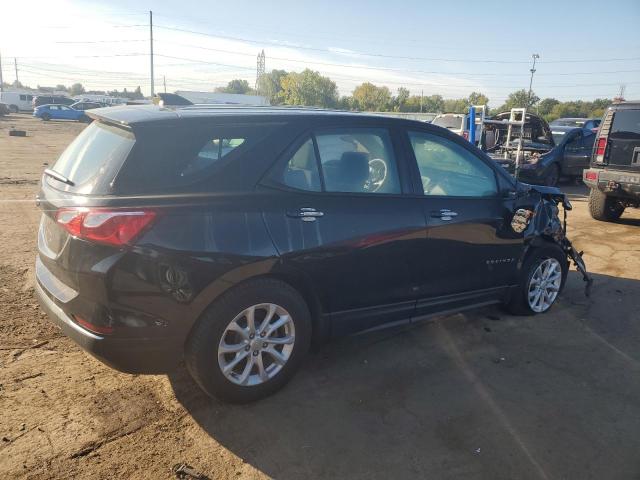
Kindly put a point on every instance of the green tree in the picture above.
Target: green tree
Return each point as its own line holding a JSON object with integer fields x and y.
{"x": 519, "y": 99}
{"x": 477, "y": 98}
{"x": 400, "y": 100}
{"x": 236, "y": 85}
{"x": 76, "y": 89}
{"x": 269, "y": 85}
{"x": 61, "y": 87}
{"x": 456, "y": 105}
{"x": 309, "y": 88}
{"x": 546, "y": 105}
{"x": 368, "y": 97}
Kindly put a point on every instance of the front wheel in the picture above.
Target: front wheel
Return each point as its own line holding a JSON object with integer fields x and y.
{"x": 541, "y": 280}
{"x": 250, "y": 342}
{"x": 46, "y": 117}
{"x": 14, "y": 108}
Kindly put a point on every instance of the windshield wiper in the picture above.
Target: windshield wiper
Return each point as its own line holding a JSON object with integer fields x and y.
{"x": 58, "y": 176}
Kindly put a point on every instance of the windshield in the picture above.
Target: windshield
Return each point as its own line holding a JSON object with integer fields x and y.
{"x": 569, "y": 122}
{"x": 448, "y": 121}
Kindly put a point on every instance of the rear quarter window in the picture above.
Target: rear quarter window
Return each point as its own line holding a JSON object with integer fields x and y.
{"x": 184, "y": 157}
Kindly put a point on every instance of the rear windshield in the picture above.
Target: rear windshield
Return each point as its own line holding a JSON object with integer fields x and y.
{"x": 450, "y": 122}
{"x": 626, "y": 124}
{"x": 93, "y": 158}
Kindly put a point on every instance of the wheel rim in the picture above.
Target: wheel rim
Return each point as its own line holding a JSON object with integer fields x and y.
{"x": 256, "y": 344}
{"x": 544, "y": 285}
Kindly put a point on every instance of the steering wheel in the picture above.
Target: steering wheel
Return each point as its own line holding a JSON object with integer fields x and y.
{"x": 377, "y": 175}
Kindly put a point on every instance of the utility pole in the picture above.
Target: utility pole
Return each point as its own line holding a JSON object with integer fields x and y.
{"x": 151, "y": 45}
{"x": 164, "y": 81}
{"x": 15, "y": 64}
{"x": 260, "y": 66}
{"x": 421, "y": 95}
{"x": 535, "y": 56}
{"x": 1, "y": 82}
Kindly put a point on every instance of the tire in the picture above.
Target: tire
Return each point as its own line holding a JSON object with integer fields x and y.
{"x": 519, "y": 303}
{"x": 204, "y": 361}
{"x": 46, "y": 117}
{"x": 604, "y": 208}
{"x": 553, "y": 175}
{"x": 14, "y": 108}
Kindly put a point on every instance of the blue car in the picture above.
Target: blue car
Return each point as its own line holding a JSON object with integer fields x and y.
{"x": 59, "y": 112}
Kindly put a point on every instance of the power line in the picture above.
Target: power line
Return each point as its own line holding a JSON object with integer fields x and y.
{"x": 379, "y": 55}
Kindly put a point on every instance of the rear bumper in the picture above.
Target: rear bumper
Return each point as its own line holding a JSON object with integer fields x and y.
{"x": 128, "y": 355}
{"x": 616, "y": 183}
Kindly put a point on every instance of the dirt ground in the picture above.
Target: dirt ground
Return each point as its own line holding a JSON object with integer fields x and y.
{"x": 475, "y": 395}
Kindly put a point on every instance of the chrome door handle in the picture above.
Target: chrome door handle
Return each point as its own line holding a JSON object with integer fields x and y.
{"x": 307, "y": 214}
{"x": 444, "y": 214}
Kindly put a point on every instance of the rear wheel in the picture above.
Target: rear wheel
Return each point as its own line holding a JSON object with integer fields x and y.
{"x": 603, "y": 207}
{"x": 250, "y": 342}
{"x": 541, "y": 281}
{"x": 14, "y": 108}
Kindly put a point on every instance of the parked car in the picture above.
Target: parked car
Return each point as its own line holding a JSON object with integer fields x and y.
{"x": 588, "y": 123}
{"x": 59, "y": 112}
{"x": 86, "y": 105}
{"x": 17, "y": 101}
{"x": 457, "y": 123}
{"x": 4, "y": 109}
{"x": 614, "y": 175}
{"x": 52, "y": 100}
{"x": 234, "y": 237}
{"x": 545, "y": 156}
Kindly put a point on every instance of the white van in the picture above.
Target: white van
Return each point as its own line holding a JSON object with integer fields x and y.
{"x": 17, "y": 101}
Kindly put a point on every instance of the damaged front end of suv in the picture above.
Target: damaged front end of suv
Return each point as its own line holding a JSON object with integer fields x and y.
{"x": 537, "y": 217}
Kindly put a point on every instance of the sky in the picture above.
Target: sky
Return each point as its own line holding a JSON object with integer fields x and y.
{"x": 587, "y": 49}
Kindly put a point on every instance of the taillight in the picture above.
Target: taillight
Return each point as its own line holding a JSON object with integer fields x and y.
{"x": 112, "y": 227}
{"x": 591, "y": 175}
{"x": 601, "y": 147}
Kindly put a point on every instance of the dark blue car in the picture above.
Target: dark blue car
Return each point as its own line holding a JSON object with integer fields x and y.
{"x": 59, "y": 112}
{"x": 548, "y": 154}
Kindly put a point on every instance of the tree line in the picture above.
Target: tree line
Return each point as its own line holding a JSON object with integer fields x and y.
{"x": 309, "y": 88}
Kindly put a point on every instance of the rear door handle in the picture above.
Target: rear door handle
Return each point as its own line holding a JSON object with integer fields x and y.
{"x": 444, "y": 214}
{"x": 307, "y": 214}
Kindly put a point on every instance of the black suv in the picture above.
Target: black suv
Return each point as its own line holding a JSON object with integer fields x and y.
{"x": 234, "y": 237}
{"x": 51, "y": 100}
{"x": 614, "y": 176}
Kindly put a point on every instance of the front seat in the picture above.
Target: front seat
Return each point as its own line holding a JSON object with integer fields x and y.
{"x": 348, "y": 174}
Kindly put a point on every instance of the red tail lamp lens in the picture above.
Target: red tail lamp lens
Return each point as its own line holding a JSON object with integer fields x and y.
{"x": 111, "y": 227}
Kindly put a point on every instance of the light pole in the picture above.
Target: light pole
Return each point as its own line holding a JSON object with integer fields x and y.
{"x": 535, "y": 56}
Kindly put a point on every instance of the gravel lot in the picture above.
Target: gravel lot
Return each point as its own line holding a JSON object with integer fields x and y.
{"x": 475, "y": 395}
